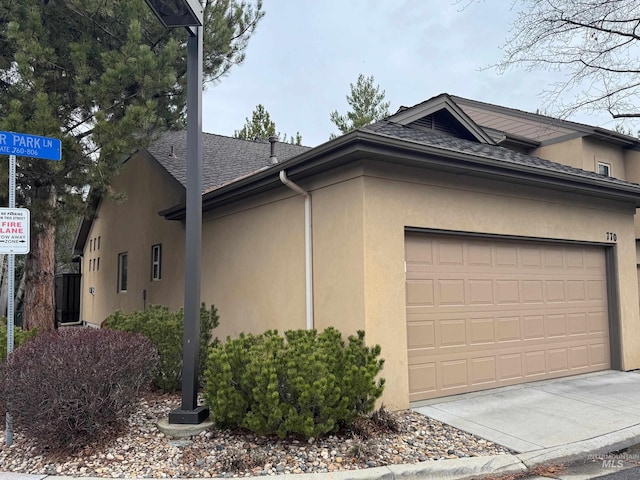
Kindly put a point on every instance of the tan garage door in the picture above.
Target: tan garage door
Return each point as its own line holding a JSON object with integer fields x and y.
{"x": 483, "y": 313}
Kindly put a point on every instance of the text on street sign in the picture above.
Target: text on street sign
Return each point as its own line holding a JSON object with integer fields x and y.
{"x": 34, "y": 146}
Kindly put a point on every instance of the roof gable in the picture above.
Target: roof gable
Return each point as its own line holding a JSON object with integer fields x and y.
{"x": 535, "y": 127}
{"x": 441, "y": 113}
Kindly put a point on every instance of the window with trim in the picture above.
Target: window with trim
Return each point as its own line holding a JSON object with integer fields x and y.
{"x": 604, "y": 169}
{"x": 156, "y": 262}
{"x": 122, "y": 272}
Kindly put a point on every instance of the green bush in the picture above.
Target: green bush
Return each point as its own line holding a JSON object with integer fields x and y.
{"x": 19, "y": 337}
{"x": 165, "y": 330}
{"x": 66, "y": 389}
{"x": 305, "y": 383}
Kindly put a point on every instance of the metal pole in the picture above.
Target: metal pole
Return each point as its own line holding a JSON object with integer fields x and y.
{"x": 10, "y": 294}
{"x": 190, "y": 412}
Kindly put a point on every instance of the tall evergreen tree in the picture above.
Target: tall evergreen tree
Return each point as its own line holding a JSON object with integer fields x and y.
{"x": 103, "y": 76}
{"x": 367, "y": 106}
{"x": 261, "y": 126}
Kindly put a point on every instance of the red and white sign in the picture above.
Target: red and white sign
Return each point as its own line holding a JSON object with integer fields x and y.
{"x": 14, "y": 230}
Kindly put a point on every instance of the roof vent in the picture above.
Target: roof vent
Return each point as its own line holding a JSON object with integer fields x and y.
{"x": 272, "y": 158}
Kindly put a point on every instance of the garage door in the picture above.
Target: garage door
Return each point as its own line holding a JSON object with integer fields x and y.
{"x": 484, "y": 313}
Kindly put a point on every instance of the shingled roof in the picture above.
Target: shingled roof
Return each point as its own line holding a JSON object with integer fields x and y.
{"x": 223, "y": 158}
{"x": 446, "y": 142}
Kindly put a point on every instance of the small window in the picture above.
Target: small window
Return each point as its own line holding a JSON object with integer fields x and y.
{"x": 604, "y": 169}
{"x": 122, "y": 272}
{"x": 91, "y": 245}
{"x": 98, "y": 264}
{"x": 98, "y": 243}
{"x": 156, "y": 262}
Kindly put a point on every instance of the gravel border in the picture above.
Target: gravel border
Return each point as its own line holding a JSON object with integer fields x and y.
{"x": 145, "y": 452}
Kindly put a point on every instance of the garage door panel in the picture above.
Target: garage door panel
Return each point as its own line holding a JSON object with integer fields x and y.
{"x": 482, "y": 330}
{"x": 486, "y": 313}
{"x": 483, "y": 370}
{"x": 509, "y": 367}
{"x": 535, "y": 364}
{"x": 532, "y": 291}
{"x": 599, "y": 354}
{"x": 558, "y": 359}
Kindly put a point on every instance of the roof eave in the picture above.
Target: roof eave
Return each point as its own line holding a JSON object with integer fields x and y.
{"x": 359, "y": 143}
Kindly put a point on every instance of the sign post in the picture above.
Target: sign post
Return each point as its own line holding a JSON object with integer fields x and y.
{"x": 14, "y": 222}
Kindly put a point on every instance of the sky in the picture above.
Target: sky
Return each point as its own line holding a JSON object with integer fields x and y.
{"x": 305, "y": 54}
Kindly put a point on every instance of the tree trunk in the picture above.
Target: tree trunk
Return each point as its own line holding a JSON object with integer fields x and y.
{"x": 20, "y": 289}
{"x": 39, "y": 297}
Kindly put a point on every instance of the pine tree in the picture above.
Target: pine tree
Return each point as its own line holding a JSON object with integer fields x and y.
{"x": 103, "y": 76}
{"x": 367, "y": 106}
{"x": 261, "y": 126}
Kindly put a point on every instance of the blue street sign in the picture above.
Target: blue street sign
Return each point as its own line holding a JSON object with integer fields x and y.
{"x": 23, "y": 145}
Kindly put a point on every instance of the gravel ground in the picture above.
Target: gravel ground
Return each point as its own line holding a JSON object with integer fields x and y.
{"x": 145, "y": 452}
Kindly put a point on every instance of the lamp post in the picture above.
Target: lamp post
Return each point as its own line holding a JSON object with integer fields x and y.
{"x": 189, "y": 14}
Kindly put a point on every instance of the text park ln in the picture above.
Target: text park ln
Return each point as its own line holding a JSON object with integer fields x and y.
{"x": 13, "y": 144}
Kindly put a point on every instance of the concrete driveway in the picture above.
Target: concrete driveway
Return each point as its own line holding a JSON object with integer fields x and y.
{"x": 597, "y": 408}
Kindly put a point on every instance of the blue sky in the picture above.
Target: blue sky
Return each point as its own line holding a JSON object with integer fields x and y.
{"x": 305, "y": 53}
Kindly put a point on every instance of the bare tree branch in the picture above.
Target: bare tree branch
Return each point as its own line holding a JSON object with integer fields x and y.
{"x": 595, "y": 44}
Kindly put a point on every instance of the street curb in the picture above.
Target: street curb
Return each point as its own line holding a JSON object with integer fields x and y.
{"x": 458, "y": 469}
{"x": 610, "y": 442}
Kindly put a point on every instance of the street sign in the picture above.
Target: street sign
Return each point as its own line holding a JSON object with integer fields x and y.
{"x": 34, "y": 146}
{"x": 14, "y": 230}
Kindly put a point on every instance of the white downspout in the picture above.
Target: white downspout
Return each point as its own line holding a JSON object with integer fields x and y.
{"x": 308, "y": 244}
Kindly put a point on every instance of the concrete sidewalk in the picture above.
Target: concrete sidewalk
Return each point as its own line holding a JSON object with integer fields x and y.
{"x": 592, "y": 410}
{"x": 553, "y": 421}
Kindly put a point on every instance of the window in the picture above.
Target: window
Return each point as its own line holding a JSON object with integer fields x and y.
{"x": 122, "y": 272}
{"x": 156, "y": 262}
{"x": 604, "y": 169}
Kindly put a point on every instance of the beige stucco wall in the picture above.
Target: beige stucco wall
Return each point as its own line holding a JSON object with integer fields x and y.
{"x": 596, "y": 150}
{"x": 394, "y": 201}
{"x": 253, "y": 266}
{"x": 253, "y": 250}
{"x": 632, "y": 168}
{"x": 132, "y": 225}
{"x": 568, "y": 152}
{"x": 632, "y": 165}
{"x": 338, "y": 252}
{"x": 585, "y": 153}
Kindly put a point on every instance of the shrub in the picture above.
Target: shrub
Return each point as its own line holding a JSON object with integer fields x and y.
{"x": 305, "y": 383}
{"x": 69, "y": 388}
{"x": 165, "y": 330}
{"x": 19, "y": 337}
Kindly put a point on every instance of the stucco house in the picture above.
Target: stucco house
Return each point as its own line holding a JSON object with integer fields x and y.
{"x": 480, "y": 246}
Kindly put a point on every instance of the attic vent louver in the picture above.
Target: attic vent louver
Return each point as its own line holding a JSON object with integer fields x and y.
{"x": 442, "y": 121}
{"x": 436, "y": 122}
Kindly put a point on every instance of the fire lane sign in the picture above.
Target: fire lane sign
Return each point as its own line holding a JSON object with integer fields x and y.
{"x": 14, "y": 230}
{"x": 34, "y": 146}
